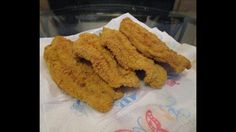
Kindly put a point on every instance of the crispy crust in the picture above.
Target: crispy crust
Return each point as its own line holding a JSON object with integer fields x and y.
{"x": 88, "y": 46}
{"x": 77, "y": 79}
{"x": 128, "y": 57}
{"x": 151, "y": 46}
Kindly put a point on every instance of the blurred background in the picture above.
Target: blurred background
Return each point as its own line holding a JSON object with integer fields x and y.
{"x": 68, "y": 17}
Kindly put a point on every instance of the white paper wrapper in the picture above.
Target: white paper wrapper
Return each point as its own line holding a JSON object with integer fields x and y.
{"x": 172, "y": 108}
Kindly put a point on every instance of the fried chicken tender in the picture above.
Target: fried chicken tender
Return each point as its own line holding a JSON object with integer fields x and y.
{"x": 76, "y": 78}
{"x": 151, "y": 46}
{"x": 88, "y": 46}
{"x": 128, "y": 57}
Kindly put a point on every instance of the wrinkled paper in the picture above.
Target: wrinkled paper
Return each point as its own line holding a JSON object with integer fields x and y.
{"x": 170, "y": 109}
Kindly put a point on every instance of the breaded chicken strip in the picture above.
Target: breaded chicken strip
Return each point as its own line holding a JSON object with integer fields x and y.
{"x": 77, "y": 79}
{"x": 88, "y": 46}
{"x": 128, "y": 57}
{"x": 151, "y": 46}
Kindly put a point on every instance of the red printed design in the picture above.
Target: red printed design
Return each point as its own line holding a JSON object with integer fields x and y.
{"x": 123, "y": 130}
{"x": 171, "y": 83}
{"x": 153, "y": 123}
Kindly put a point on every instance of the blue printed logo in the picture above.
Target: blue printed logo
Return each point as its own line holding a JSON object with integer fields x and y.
{"x": 79, "y": 107}
{"x": 127, "y": 99}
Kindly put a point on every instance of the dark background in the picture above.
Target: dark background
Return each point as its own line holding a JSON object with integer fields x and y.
{"x": 67, "y": 17}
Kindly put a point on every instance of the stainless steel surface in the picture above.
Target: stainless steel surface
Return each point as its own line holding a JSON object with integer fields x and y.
{"x": 73, "y": 20}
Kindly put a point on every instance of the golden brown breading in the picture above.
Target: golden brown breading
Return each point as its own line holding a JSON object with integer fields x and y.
{"x": 88, "y": 46}
{"x": 128, "y": 57}
{"x": 77, "y": 79}
{"x": 151, "y": 46}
